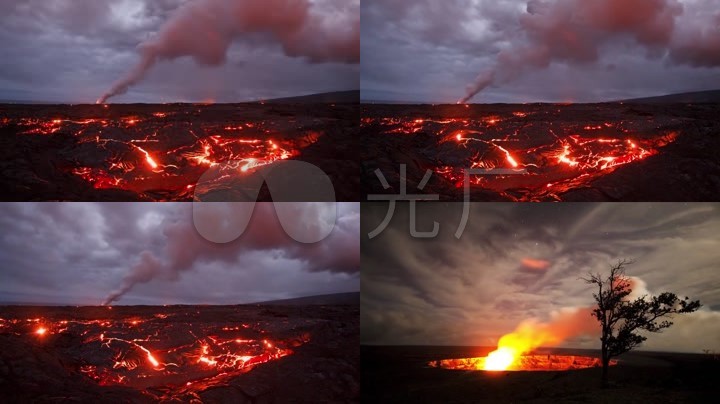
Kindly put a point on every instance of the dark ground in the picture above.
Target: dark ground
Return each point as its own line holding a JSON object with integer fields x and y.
{"x": 46, "y": 369}
{"x": 400, "y": 374}
{"x": 40, "y": 159}
{"x": 687, "y": 169}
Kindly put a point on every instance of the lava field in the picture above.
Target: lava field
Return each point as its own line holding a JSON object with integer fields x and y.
{"x": 139, "y": 152}
{"x": 547, "y": 152}
{"x": 248, "y": 353}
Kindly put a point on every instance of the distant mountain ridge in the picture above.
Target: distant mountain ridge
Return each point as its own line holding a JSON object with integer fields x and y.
{"x": 333, "y": 97}
{"x": 351, "y": 298}
{"x": 337, "y": 97}
{"x": 709, "y": 96}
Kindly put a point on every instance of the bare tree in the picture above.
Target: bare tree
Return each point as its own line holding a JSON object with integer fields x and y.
{"x": 621, "y": 318}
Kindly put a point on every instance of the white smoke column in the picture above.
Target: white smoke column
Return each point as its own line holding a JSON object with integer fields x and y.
{"x": 205, "y": 29}
{"x": 573, "y": 32}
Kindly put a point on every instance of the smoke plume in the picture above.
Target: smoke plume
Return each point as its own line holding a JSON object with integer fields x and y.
{"x": 564, "y": 324}
{"x": 575, "y": 31}
{"x": 184, "y": 247}
{"x": 204, "y": 30}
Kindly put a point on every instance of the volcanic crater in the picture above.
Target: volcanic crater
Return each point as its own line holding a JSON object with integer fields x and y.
{"x": 400, "y": 374}
{"x": 549, "y": 362}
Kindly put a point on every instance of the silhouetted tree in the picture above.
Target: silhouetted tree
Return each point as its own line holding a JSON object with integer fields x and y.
{"x": 621, "y": 318}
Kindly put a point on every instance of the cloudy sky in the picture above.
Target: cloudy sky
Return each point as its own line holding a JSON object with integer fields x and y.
{"x": 75, "y": 50}
{"x": 80, "y": 253}
{"x": 518, "y": 262}
{"x": 538, "y": 50}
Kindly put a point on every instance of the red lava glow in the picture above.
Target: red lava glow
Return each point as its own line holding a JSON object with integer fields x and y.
{"x": 150, "y": 161}
{"x": 143, "y": 352}
{"x": 523, "y": 363}
{"x": 552, "y": 160}
{"x": 163, "y": 152}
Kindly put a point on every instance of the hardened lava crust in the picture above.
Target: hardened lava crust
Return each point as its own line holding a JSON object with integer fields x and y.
{"x": 546, "y": 152}
{"x": 210, "y": 354}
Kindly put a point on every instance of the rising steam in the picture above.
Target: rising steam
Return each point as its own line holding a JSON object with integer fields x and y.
{"x": 205, "y": 29}
{"x": 185, "y": 247}
{"x": 574, "y": 32}
{"x": 563, "y": 325}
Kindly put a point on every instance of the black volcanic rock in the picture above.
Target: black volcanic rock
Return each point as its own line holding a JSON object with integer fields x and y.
{"x": 681, "y": 163}
{"x": 401, "y": 374}
{"x": 95, "y": 152}
{"x": 323, "y": 365}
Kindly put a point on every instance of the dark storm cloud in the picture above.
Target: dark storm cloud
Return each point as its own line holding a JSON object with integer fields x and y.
{"x": 78, "y": 253}
{"x": 554, "y": 50}
{"x": 516, "y": 262}
{"x": 74, "y": 50}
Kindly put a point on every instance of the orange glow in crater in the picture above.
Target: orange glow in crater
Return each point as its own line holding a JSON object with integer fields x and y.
{"x": 523, "y": 363}
{"x": 500, "y": 359}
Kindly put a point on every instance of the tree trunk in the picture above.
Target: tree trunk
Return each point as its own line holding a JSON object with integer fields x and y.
{"x": 605, "y": 365}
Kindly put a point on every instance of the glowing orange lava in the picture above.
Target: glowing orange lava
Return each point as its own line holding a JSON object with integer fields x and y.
{"x": 151, "y": 162}
{"x": 549, "y": 160}
{"x": 509, "y": 157}
{"x": 510, "y": 348}
{"x": 500, "y": 359}
{"x": 149, "y": 153}
{"x": 536, "y": 362}
{"x": 152, "y": 351}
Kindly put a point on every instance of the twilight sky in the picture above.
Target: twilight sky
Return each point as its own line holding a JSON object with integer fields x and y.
{"x": 75, "y": 50}
{"x": 518, "y": 262}
{"x": 537, "y": 50}
{"x": 79, "y": 253}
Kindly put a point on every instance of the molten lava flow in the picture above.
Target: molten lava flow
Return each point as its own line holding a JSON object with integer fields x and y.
{"x": 508, "y": 156}
{"x": 512, "y": 346}
{"x": 152, "y": 153}
{"x": 151, "y": 358}
{"x": 564, "y": 157}
{"x": 524, "y": 363}
{"x": 552, "y": 160}
{"x": 531, "y": 334}
{"x": 165, "y": 349}
{"x": 501, "y": 359}
{"x": 151, "y": 162}
{"x": 504, "y": 357}
{"x": 510, "y": 159}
